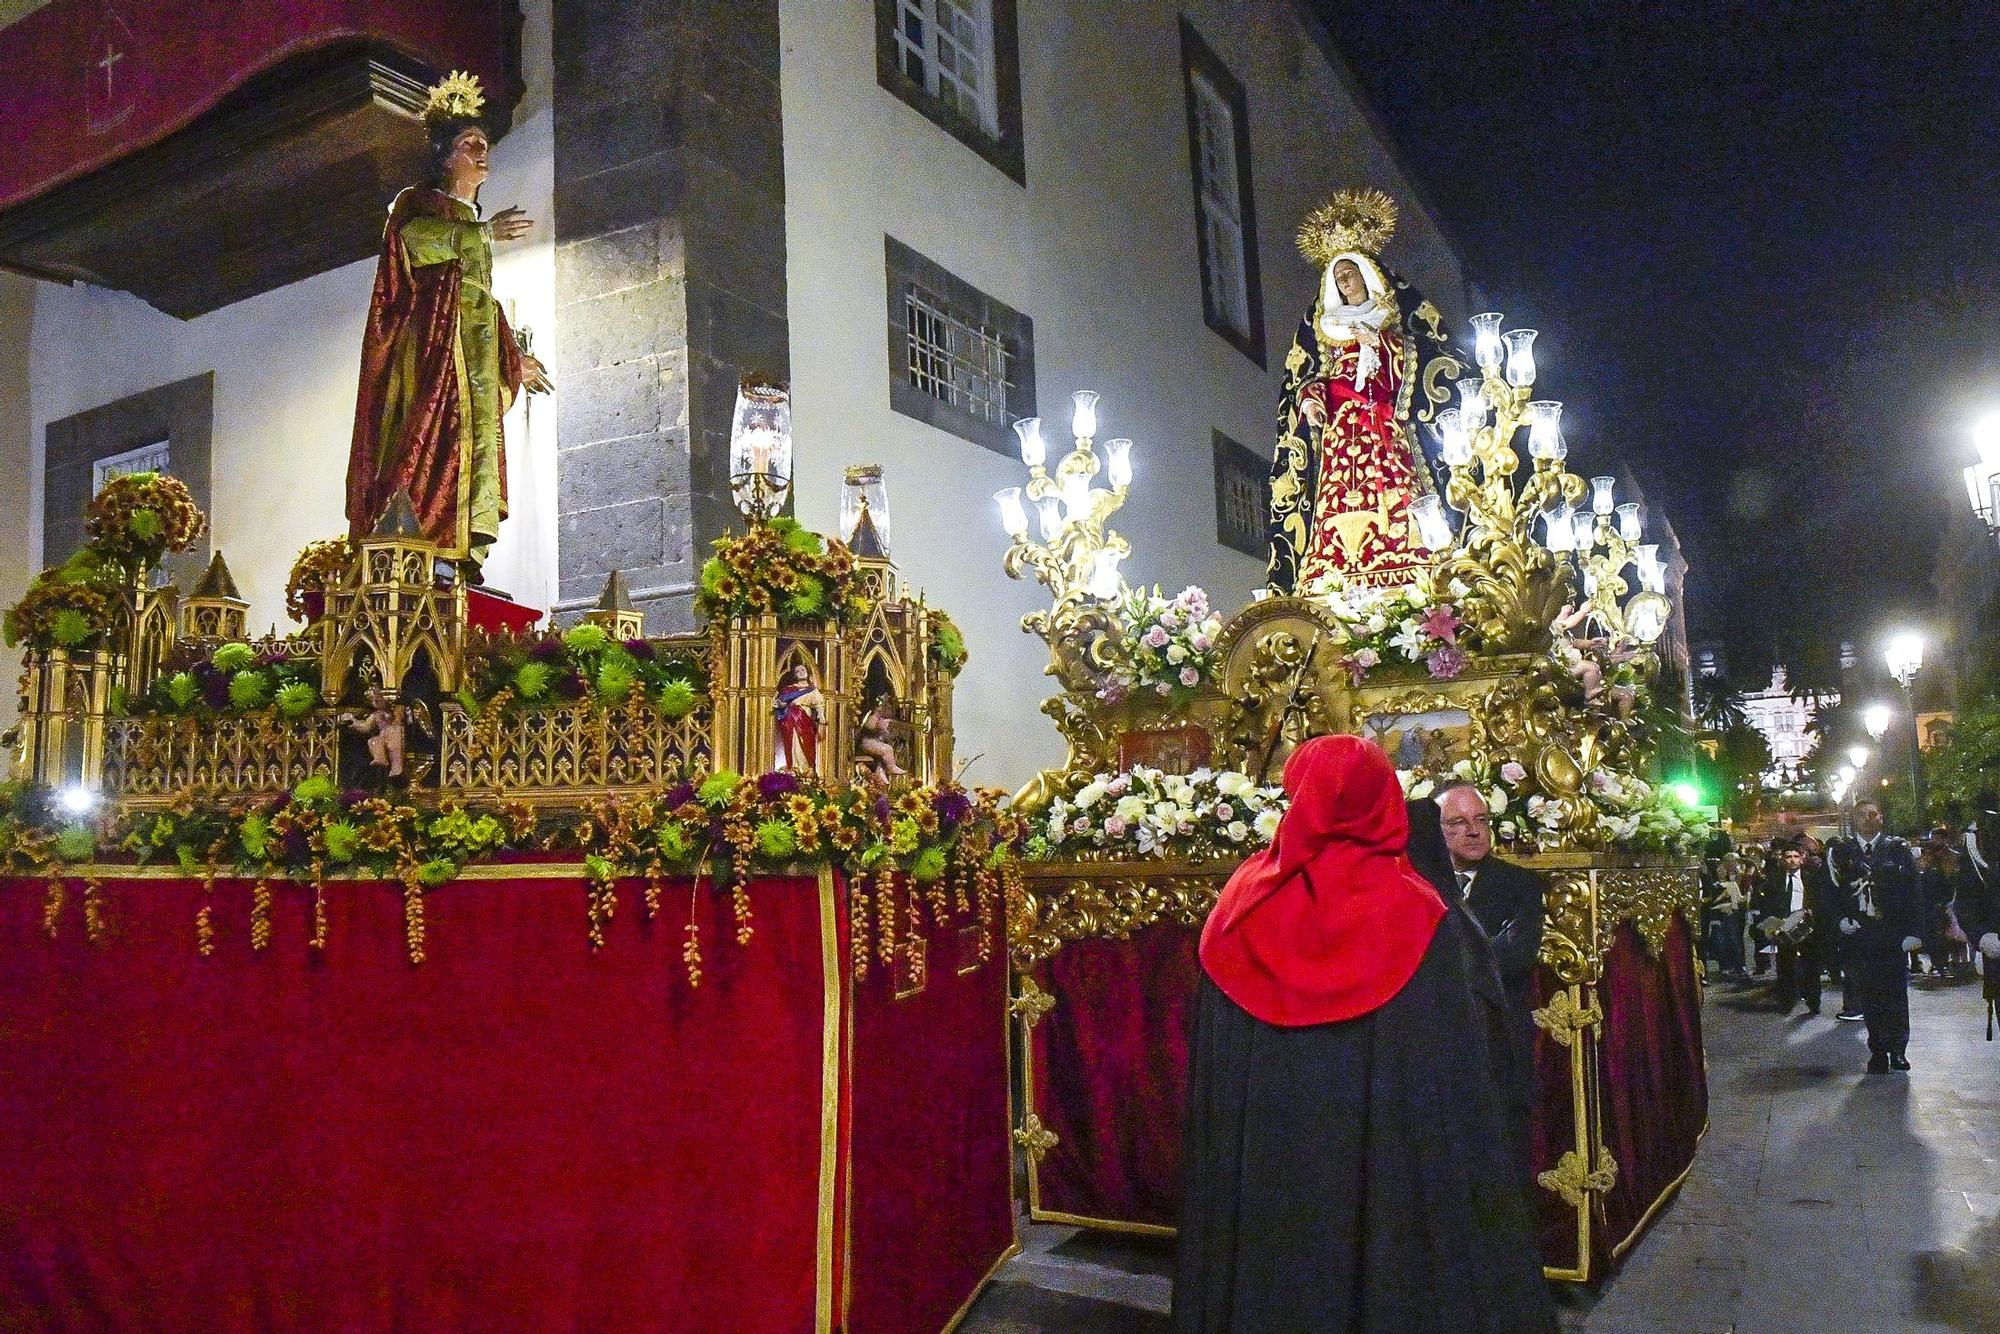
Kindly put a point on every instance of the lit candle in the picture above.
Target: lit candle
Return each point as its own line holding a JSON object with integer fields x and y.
{"x": 1013, "y": 517}
{"x": 1486, "y": 349}
{"x": 1083, "y": 414}
{"x": 1628, "y": 521}
{"x": 1520, "y": 357}
{"x": 1118, "y": 462}
{"x": 1602, "y": 501}
{"x": 1033, "y": 451}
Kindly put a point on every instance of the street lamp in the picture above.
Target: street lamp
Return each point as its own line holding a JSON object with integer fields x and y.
{"x": 1876, "y": 720}
{"x": 1857, "y": 755}
{"x": 1982, "y": 479}
{"x": 1905, "y": 657}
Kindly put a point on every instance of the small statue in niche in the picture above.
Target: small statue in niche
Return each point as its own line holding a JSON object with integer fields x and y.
{"x": 1591, "y": 660}
{"x": 383, "y": 725}
{"x": 874, "y": 745}
{"x": 799, "y": 711}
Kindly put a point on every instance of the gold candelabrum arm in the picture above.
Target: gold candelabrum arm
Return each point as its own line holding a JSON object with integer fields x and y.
{"x": 1071, "y": 559}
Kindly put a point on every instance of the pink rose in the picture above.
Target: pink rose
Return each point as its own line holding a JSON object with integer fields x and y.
{"x": 1190, "y": 677}
{"x": 1446, "y": 663}
{"x": 1164, "y": 689}
{"x": 1513, "y": 771}
{"x": 1115, "y": 827}
{"x": 1117, "y": 786}
{"x": 1202, "y": 643}
{"x": 1225, "y": 812}
{"x": 1155, "y": 638}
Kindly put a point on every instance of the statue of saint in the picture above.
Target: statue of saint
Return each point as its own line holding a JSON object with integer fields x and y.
{"x": 439, "y": 364}
{"x": 1368, "y": 363}
{"x": 799, "y": 712}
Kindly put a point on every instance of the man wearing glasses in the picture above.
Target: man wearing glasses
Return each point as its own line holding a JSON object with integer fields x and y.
{"x": 1506, "y": 901}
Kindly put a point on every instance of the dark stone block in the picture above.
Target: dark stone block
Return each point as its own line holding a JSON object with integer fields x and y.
{"x": 738, "y": 265}
{"x": 612, "y": 402}
{"x": 667, "y": 613}
{"x": 624, "y": 326}
{"x": 615, "y": 45}
{"x": 599, "y": 137}
{"x": 592, "y": 543}
{"x": 730, "y": 329}
{"x": 616, "y": 472}
{"x": 617, "y": 260}
{"x": 643, "y": 190}
{"x": 731, "y": 114}
{"x": 750, "y": 28}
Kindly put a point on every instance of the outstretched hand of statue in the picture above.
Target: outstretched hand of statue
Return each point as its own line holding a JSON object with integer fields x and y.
{"x": 511, "y": 224}
{"x": 535, "y": 376}
{"x": 1312, "y": 410}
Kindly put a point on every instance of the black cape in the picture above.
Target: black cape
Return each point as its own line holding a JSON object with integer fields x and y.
{"x": 1357, "y": 1176}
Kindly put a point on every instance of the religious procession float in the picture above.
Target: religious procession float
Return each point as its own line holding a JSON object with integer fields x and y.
{"x": 1491, "y": 623}
{"x": 687, "y": 956}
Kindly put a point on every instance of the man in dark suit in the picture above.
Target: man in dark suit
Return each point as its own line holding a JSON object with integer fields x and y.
{"x": 1791, "y": 909}
{"x": 1874, "y": 879}
{"x": 1506, "y": 901}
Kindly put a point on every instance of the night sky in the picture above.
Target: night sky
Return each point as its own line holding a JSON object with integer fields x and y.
{"x": 1760, "y": 242}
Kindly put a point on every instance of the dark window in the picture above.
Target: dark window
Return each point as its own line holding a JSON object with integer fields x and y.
{"x": 1225, "y": 217}
{"x": 958, "y": 62}
{"x": 958, "y": 359}
{"x": 1242, "y": 497}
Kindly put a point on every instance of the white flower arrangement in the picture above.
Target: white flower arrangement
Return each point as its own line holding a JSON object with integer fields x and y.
{"x": 1412, "y": 625}
{"x": 1167, "y": 645}
{"x": 1148, "y": 813}
{"x": 1632, "y": 814}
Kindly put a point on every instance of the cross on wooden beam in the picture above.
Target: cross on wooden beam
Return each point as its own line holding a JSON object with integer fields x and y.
{"x": 112, "y": 55}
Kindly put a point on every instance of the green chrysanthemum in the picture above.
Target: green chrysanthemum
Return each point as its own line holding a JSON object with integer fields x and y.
{"x": 677, "y": 699}
{"x": 796, "y": 538}
{"x": 777, "y": 839}
{"x": 903, "y": 836}
{"x": 713, "y": 572}
{"x": 182, "y": 689}
{"x": 929, "y": 865}
{"x": 230, "y": 658}
{"x": 586, "y": 638}
{"x": 673, "y": 840}
{"x": 873, "y": 856}
{"x": 718, "y": 787}
{"x": 436, "y": 872}
{"x": 531, "y": 681}
{"x": 315, "y": 790}
{"x": 70, "y": 627}
{"x": 76, "y": 844}
{"x": 146, "y": 524}
{"x": 808, "y": 599}
{"x": 615, "y": 681}
{"x": 255, "y": 837}
{"x": 295, "y": 699}
{"x": 342, "y": 840}
{"x": 250, "y": 690}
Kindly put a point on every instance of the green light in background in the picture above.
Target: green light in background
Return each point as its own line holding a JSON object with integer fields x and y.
{"x": 1687, "y": 794}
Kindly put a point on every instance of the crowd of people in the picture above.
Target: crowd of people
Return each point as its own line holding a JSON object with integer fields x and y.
{"x": 1864, "y": 911}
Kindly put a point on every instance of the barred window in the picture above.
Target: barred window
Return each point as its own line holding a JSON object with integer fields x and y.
{"x": 1242, "y": 496}
{"x": 1225, "y": 227}
{"x": 958, "y": 358}
{"x": 958, "y": 363}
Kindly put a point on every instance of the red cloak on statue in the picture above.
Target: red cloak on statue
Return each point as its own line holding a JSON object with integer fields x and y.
{"x": 412, "y": 427}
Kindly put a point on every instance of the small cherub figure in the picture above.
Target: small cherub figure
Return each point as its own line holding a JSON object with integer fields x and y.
{"x": 383, "y": 726}
{"x": 1588, "y": 658}
{"x": 878, "y": 752}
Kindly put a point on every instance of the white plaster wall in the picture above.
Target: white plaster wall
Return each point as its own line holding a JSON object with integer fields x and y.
{"x": 1099, "y": 250}
{"x": 286, "y": 364}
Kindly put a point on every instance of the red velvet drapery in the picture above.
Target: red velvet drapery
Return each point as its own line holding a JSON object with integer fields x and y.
{"x": 519, "y": 1133}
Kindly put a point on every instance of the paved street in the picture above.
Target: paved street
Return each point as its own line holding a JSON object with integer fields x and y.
{"x": 1824, "y": 1201}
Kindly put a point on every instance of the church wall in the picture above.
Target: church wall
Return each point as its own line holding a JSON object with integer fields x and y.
{"x": 1099, "y": 251}
{"x": 285, "y": 365}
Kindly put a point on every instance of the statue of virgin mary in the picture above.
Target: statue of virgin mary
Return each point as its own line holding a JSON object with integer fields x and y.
{"x": 1369, "y": 363}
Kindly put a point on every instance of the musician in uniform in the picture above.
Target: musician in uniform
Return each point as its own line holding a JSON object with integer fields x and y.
{"x": 1792, "y": 912}
{"x": 1874, "y": 880}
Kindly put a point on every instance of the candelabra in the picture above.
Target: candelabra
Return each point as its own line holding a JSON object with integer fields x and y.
{"x": 1077, "y": 555}
{"x": 1517, "y": 585}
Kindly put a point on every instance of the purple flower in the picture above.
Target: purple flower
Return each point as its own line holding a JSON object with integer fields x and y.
{"x": 951, "y": 805}
{"x": 680, "y": 796}
{"x": 641, "y": 649}
{"x": 1442, "y": 624}
{"x": 1445, "y": 663}
{"x": 570, "y": 685}
{"x": 215, "y": 690}
{"x": 546, "y": 649}
{"x": 777, "y": 783}
{"x": 352, "y": 797}
{"x": 297, "y": 845}
{"x": 882, "y": 810}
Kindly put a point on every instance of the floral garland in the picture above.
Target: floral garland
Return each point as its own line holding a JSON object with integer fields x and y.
{"x": 230, "y": 679}
{"x": 1165, "y": 646}
{"x": 939, "y": 855}
{"x": 319, "y": 567}
{"x": 1633, "y": 815}
{"x": 1147, "y": 813}
{"x": 583, "y": 663}
{"x": 779, "y": 567}
{"x": 1399, "y": 626}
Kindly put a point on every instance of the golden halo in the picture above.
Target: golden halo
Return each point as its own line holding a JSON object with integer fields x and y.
{"x": 1361, "y": 220}
{"x": 457, "y": 96}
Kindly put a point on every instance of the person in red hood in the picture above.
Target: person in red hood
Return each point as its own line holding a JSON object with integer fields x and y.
{"x": 1347, "y": 1160}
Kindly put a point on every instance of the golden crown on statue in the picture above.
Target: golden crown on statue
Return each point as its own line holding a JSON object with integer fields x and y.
{"x": 1362, "y": 220}
{"x": 457, "y": 96}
